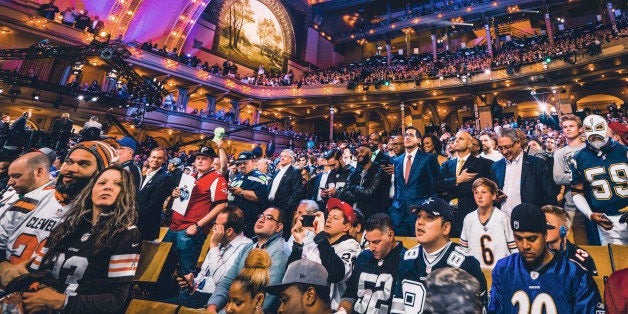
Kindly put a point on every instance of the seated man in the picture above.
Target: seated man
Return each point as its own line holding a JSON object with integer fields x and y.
{"x": 433, "y": 226}
{"x": 333, "y": 247}
{"x": 536, "y": 278}
{"x": 304, "y": 289}
{"x": 268, "y": 229}
{"x": 225, "y": 244}
{"x": 368, "y": 288}
{"x": 558, "y": 226}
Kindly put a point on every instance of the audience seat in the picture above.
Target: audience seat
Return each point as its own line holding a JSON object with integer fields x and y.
{"x": 408, "y": 242}
{"x": 204, "y": 250}
{"x": 602, "y": 258}
{"x": 620, "y": 256}
{"x": 152, "y": 259}
{"x": 601, "y": 284}
{"x": 455, "y": 240}
{"x": 488, "y": 274}
{"x": 162, "y": 233}
{"x": 149, "y": 307}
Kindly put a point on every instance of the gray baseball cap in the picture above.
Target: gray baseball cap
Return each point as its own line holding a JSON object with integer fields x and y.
{"x": 301, "y": 271}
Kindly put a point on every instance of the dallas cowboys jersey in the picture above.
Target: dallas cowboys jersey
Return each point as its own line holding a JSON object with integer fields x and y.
{"x": 372, "y": 281}
{"x": 605, "y": 177}
{"x": 409, "y": 293}
{"x": 561, "y": 286}
{"x": 490, "y": 241}
{"x": 96, "y": 280}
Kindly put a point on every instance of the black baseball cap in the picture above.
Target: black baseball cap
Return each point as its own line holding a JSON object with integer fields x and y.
{"x": 436, "y": 207}
{"x": 207, "y": 151}
{"x": 244, "y": 157}
{"x": 527, "y": 217}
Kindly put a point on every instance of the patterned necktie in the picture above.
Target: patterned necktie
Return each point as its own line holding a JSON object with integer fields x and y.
{"x": 459, "y": 166}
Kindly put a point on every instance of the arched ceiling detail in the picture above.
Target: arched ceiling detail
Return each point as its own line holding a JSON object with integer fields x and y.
{"x": 598, "y": 98}
{"x": 181, "y": 28}
{"x": 120, "y": 16}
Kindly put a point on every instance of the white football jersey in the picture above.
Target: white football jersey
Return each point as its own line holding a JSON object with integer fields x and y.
{"x": 488, "y": 242}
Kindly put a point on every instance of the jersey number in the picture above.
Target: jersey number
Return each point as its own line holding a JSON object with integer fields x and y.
{"x": 75, "y": 267}
{"x": 413, "y": 296}
{"x": 487, "y": 254}
{"x": 602, "y": 188}
{"x": 370, "y": 300}
{"x": 24, "y": 247}
{"x": 543, "y": 303}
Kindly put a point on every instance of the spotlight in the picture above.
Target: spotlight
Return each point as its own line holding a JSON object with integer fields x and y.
{"x": 1, "y": 90}
{"x": 533, "y": 92}
{"x": 487, "y": 71}
{"x": 80, "y": 97}
{"x": 543, "y": 107}
{"x": 35, "y": 96}
{"x": 94, "y": 99}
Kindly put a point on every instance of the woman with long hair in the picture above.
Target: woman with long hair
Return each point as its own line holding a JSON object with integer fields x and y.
{"x": 246, "y": 294}
{"x": 432, "y": 145}
{"x": 93, "y": 253}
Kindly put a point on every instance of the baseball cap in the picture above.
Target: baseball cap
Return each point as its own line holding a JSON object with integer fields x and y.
{"x": 347, "y": 209}
{"x": 620, "y": 129}
{"x": 175, "y": 161}
{"x": 244, "y": 157}
{"x": 301, "y": 271}
{"x": 436, "y": 207}
{"x": 206, "y": 151}
{"x": 128, "y": 142}
{"x": 49, "y": 153}
{"x": 527, "y": 217}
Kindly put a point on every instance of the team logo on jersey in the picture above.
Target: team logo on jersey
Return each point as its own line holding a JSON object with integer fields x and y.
{"x": 59, "y": 212}
{"x": 85, "y": 236}
{"x": 534, "y": 275}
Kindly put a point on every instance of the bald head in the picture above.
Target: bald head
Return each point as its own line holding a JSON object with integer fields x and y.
{"x": 462, "y": 143}
{"x": 29, "y": 172}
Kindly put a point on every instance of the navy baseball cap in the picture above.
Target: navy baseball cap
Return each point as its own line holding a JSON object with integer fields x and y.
{"x": 127, "y": 142}
{"x": 527, "y": 217}
{"x": 244, "y": 157}
{"x": 435, "y": 206}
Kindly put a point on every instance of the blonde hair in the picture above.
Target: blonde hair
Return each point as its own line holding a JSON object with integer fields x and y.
{"x": 255, "y": 275}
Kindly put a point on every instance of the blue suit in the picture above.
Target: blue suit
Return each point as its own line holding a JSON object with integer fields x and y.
{"x": 423, "y": 175}
{"x": 537, "y": 185}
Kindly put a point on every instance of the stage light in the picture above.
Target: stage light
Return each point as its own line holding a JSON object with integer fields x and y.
{"x": 1, "y": 91}
{"x": 80, "y": 97}
{"x": 35, "y": 96}
{"x": 94, "y": 99}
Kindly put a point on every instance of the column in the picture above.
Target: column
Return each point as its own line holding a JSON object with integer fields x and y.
{"x": 489, "y": 41}
{"x": 550, "y": 30}
{"x": 360, "y": 122}
{"x": 236, "y": 110}
{"x": 434, "y": 51}
{"x": 182, "y": 98}
{"x": 211, "y": 104}
{"x": 611, "y": 15}
{"x": 388, "y": 47}
{"x": 482, "y": 112}
{"x": 496, "y": 27}
{"x": 408, "y": 52}
{"x": 331, "y": 124}
{"x": 403, "y": 117}
{"x": 448, "y": 42}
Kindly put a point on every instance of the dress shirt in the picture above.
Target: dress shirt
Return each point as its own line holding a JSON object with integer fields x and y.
{"x": 322, "y": 184}
{"x": 276, "y": 181}
{"x": 405, "y": 160}
{"x": 512, "y": 184}
{"x": 218, "y": 260}
{"x": 149, "y": 176}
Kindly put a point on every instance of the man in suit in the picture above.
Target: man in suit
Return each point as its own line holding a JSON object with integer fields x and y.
{"x": 319, "y": 183}
{"x": 522, "y": 178}
{"x": 416, "y": 172}
{"x": 286, "y": 188}
{"x": 379, "y": 156}
{"x": 61, "y": 130}
{"x": 457, "y": 176}
{"x": 152, "y": 194}
{"x": 367, "y": 186}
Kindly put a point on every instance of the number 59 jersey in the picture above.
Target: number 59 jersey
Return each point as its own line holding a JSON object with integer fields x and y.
{"x": 561, "y": 286}
{"x": 605, "y": 177}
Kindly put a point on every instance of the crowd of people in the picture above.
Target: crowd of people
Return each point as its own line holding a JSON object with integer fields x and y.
{"x": 314, "y": 230}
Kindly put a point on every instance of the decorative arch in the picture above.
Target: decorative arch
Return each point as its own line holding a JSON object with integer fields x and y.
{"x": 181, "y": 28}
{"x": 430, "y": 110}
{"x": 599, "y": 98}
{"x": 280, "y": 13}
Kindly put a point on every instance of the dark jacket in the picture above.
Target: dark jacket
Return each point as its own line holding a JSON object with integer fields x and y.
{"x": 150, "y": 200}
{"x": 62, "y": 127}
{"x": 290, "y": 192}
{"x": 447, "y": 187}
{"x": 369, "y": 192}
{"x": 537, "y": 185}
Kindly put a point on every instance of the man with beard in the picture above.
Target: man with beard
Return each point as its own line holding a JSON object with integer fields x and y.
{"x": 367, "y": 185}
{"x": 340, "y": 171}
{"x": 535, "y": 278}
{"x": 378, "y": 156}
{"x": 26, "y": 234}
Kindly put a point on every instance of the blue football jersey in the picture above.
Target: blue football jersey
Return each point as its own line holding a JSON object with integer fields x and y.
{"x": 561, "y": 286}
{"x": 604, "y": 175}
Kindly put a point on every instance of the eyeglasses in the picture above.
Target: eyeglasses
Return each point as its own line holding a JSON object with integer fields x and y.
{"x": 409, "y": 135}
{"x": 505, "y": 147}
{"x": 267, "y": 217}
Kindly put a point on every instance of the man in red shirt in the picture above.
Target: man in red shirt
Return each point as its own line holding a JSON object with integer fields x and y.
{"x": 208, "y": 198}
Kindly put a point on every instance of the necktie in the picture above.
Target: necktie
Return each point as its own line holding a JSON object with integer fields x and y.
{"x": 406, "y": 175}
{"x": 459, "y": 166}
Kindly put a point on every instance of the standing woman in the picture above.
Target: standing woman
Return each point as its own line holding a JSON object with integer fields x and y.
{"x": 432, "y": 145}
{"x": 246, "y": 294}
{"x": 93, "y": 253}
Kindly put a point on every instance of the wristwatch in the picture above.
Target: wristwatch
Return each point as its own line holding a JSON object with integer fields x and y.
{"x": 198, "y": 227}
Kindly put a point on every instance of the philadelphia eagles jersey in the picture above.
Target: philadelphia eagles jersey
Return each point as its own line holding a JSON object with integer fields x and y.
{"x": 96, "y": 279}
{"x": 371, "y": 283}
{"x": 490, "y": 241}
{"x": 604, "y": 175}
{"x": 410, "y": 293}
{"x": 561, "y": 286}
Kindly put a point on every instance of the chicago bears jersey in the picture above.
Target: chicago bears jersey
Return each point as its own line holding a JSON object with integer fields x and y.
{"x": 604, "y": 175}
{"x": 490, "y": 241}
{"x": 371, "y": 283}
{"x": 91, "y": 278}
{"x": 409, "y": 293}
{"x": 561, "y": 286}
